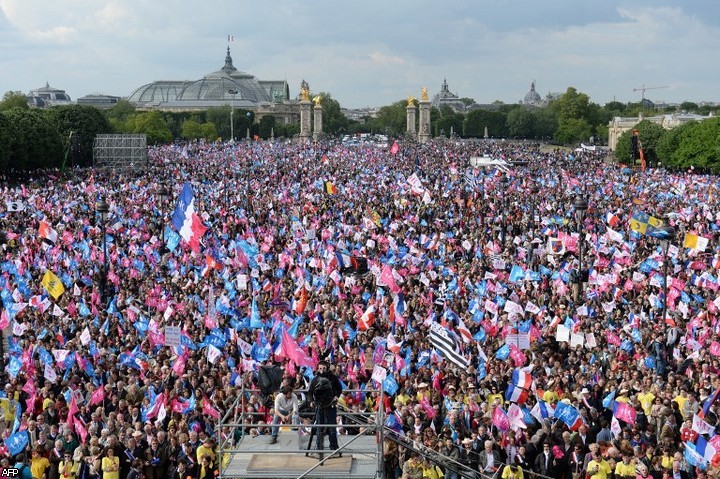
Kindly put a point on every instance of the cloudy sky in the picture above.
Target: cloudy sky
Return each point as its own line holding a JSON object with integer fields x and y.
{"x": 371, "y": 53}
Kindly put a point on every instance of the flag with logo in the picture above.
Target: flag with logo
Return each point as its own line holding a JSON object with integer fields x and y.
{"x": 643, "y": 223}
{"x": 52, "y": 284}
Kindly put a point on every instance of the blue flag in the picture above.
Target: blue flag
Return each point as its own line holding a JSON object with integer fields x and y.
{"x": 17, "y": 442}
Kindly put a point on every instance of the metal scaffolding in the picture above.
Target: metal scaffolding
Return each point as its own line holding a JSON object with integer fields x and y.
{"x": 120, "y": 151}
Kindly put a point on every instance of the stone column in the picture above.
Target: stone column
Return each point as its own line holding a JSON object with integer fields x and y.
{"x": 424, "y": 135}
{"x": 411, "y": 112}
{"x": 318, "y": 127}
{"x": 305, "y": 120}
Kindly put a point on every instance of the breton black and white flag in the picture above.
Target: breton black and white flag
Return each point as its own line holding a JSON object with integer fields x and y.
{"x": 15, "y": 206}
{"x": 441, "y": 340}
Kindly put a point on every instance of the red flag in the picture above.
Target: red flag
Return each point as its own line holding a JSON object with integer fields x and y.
{"x": 301, "y": 304}
{"x": 367, "y": 319}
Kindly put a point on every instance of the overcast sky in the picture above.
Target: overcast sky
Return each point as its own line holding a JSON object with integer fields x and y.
{"x": 371, "y": 53}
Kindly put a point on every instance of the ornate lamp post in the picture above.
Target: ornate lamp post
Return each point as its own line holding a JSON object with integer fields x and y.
{"x": 581, "y": 207}
{"x": 102, "y": 209}
{"x": 163, "y": 192}
{"x": 232, "y": 94}
{"x": 534, "y": 190}
{"x": 665, "y": 234}
{"x": 503, "y": 182}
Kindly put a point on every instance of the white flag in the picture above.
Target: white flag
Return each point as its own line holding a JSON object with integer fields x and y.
{"x": 213, "y": 353}
{"x": 85, "y": 336}
{"x": 700, "y": 426}
{"x": 615, "y": 427}
{"x": 13, "y": 206}
{"x": 50, "y": 373}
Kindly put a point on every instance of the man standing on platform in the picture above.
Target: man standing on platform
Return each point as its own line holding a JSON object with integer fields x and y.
{"x": 324, "y": 390}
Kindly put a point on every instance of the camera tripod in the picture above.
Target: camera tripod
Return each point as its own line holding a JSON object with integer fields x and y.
{"x": 322, "y": 431}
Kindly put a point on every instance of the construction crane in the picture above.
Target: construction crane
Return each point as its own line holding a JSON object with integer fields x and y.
{"x": 643, "y": 88}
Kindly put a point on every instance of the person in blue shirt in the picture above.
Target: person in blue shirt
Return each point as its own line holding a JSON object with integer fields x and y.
{"x": 22, "y": 466}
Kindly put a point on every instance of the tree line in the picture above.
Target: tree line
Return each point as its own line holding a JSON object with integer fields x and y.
{"x": 63, "y": 136}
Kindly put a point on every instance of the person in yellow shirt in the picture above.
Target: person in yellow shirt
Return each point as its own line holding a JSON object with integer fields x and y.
{"x": 598, "y": 468}
{"x": 110, "y": 465}
{"x": 625, "y": 469}
{"x": 431, "y": 470}
{"x": 402, "y": 398}
{"x": 68, "y": 468}
{"x": 681, "y": 398}
{"x": 512, "y": 472}
{"x": 206, "y": 449}
{"x": 646, "y": 398}
{"x": 38, "y": 464}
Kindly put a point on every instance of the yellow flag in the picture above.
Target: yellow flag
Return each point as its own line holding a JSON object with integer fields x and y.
{"x": 52, "y": 284}
{"x": 695, "y": 242}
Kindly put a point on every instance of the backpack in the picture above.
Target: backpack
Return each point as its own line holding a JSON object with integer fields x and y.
{"x": 323, "y": 393}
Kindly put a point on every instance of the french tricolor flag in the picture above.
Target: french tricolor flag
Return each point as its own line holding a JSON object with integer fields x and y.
{"x": 516, "y": 394}
{"x": 186, "y": 221}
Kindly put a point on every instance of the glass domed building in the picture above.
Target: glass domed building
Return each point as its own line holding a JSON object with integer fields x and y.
{"x": 223, "y": 87}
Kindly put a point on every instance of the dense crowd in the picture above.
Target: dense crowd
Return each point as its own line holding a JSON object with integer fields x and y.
{"x": 91, "y": 389}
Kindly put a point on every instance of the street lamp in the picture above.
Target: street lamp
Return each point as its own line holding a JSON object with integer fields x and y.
{"x": 581, "y": 207}
{"x": 163, "y": 192}
{"x": 503, "y": 182}
{"x": 232, "y": 94}
{"x": 665, "y": 234}
{"x": 534, "y": 190}
{"x": 102, "y": 208}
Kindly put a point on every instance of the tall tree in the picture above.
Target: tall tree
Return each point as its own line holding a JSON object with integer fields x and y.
{"x": 14, "y": 99}
{"x": 477, "y": 120}
{"x": 34, "y": 140}
{"x": 700, "y": 146}
{"x": 78, "y": 125}
{"x": 521, "y": 123}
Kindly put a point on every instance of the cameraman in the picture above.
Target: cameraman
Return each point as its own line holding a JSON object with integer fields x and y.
{"x": 324, "y": 391}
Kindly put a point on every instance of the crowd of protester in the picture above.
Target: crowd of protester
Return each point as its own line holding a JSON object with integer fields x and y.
{"x": 91, "y": 389}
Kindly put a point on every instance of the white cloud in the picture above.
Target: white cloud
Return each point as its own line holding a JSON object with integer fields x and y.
{"x": 369, "y": 54}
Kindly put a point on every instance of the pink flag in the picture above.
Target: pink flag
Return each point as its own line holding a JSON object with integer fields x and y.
{"x": 81, "y": 431}
{"x": 97, "y": 396}
{"x": 500, "y": 419}
{"x": 613, "y": 338}
{"x": 517, "y": 356}
{"x": 177, "y": 406}
{"x": 715, "y": 348}
{"x": 209, "y": 410}
{"x": 386, "y": 276}
{"x": 625, "y": 412}
{"x": 179, "y": 366}
{"x": 290, "y": 350}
